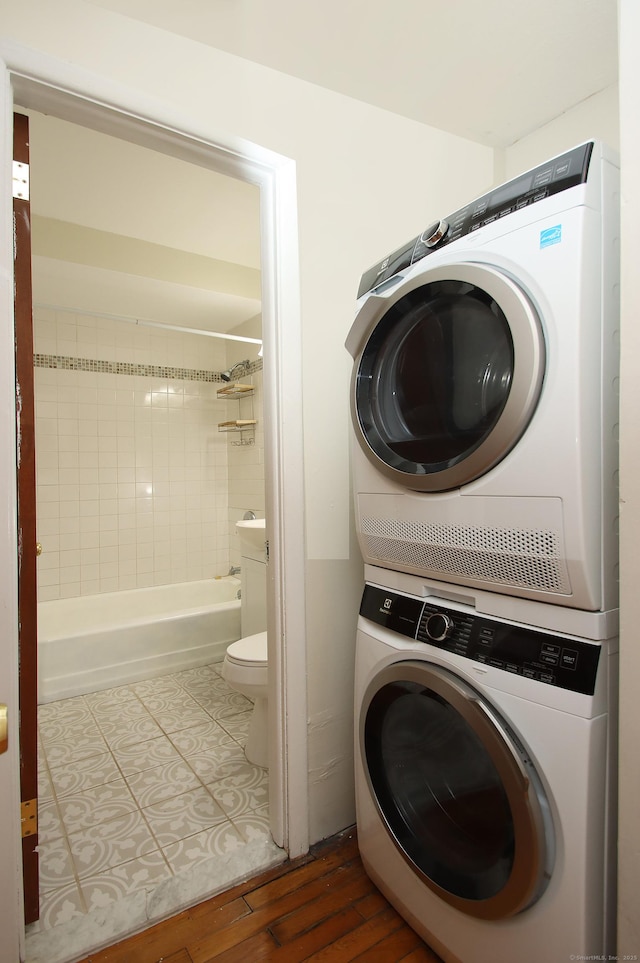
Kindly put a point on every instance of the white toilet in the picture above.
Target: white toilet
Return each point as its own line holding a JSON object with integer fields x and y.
{"x": 245, "y": 669}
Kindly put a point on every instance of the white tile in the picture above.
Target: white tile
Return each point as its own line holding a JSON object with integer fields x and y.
{"x": 48, "y": 578}
{"x": 90, "y": 586}
{"x": 203, "y": 847}
{"x": 90, "y": 571}
{"x": 162, "y": 782}
{"x": 111, "y": 844}
{"x": 60, "y": 906}
{"x": 70, "y": 590}
{"x": 47, "y": 593}
{"x": 119, "y": 882}
{"x": 48, "y": 510}
{"x": 79, "y": 775}
{"x": 49, "y": 559}
{"x": 69, "y": 459}
{"x": 69, "y": 524}
{"x": 182, "y": 816}
{"x": 69, "y": 492}
{"x": 138, "y": 729}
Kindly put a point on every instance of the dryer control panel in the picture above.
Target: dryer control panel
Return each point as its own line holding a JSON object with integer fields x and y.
{"x": 561, "y": 173}
{"x": 551, "y": 659}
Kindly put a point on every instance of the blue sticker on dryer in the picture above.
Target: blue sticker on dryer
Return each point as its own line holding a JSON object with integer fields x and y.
{"x": 551, "y": 235}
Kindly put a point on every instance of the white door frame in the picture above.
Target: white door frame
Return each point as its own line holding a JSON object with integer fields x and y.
{"x": 71, "y": 93}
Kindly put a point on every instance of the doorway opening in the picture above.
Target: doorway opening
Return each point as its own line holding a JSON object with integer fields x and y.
{"x": 275, "y": 178}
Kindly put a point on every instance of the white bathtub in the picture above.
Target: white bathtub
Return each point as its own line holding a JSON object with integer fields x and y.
{"x": 99, "y": 641}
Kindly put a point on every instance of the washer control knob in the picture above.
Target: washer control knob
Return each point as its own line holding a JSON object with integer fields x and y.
{"x": 439, "y": 626}
{"x": 433, "y": 234}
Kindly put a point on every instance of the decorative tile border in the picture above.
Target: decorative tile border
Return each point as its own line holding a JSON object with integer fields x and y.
{"x": 66, "y": 363}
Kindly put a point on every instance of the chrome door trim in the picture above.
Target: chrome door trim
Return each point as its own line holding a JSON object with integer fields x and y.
{"x": 529, "y": 350}
{"x": 534, "y": 835}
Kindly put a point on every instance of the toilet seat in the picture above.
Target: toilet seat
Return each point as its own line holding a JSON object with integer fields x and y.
{"x": 249, "y": 651}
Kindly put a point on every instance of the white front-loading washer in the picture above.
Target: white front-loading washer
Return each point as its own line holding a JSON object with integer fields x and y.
{"x": 485, "y": 788}
{"x": 484, "y": 391}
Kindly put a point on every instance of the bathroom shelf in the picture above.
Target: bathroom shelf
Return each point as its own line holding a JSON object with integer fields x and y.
{"x": 238, "y": 392}
{"x": 235, "y": 391}
{"x": 240, "y": 424}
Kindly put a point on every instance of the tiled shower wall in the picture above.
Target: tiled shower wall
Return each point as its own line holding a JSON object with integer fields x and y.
{"x": 132, "y": 472}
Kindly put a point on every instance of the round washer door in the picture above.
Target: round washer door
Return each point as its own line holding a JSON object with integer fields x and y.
{"x": 449, "y": 376}
{"x": 457, "y": 792}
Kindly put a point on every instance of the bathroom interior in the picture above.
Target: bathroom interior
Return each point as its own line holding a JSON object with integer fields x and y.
{"x": 150, "y": 520}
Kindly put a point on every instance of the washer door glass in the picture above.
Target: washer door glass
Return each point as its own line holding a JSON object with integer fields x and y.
{"x": 452, "y": 793}
{"x": 439, "y": 396}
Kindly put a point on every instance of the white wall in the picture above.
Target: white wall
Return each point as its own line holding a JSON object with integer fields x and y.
{"x": 367, "y": 181}
{"x": 597, "y": 117}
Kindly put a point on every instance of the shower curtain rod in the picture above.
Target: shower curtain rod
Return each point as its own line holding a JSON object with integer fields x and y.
{"x": 147, "y": 323}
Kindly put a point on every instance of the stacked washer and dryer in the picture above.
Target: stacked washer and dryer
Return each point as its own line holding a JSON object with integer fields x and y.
{"x": 484, "y": 410}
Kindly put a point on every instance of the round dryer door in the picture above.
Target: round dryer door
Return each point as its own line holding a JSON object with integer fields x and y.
{"x": 449, "y": 376}
{"x": 456, "y": 790}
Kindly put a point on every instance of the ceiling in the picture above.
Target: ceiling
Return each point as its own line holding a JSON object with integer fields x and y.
{"x": 489, "y": 70}
{"x": 127, "y": 231}
{"x": 492, "y": 71}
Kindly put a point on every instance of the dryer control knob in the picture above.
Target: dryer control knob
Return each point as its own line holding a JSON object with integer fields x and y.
{"x": 439, "y": 626}
{"x": 434, "y": 233}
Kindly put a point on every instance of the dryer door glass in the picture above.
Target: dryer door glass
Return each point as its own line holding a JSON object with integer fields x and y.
{"x": 452, "y": 807}
{"x": 435, "y": 379}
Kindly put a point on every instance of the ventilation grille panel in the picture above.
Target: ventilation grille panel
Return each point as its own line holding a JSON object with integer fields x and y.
{"x": 511, "y": 557}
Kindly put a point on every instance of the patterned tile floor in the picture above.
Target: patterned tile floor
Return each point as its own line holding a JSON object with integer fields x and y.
{"x": 139, "y": 784}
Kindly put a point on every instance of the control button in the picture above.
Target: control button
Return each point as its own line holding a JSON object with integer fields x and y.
{"x": 543, "y": 177}
{"x": 511, "y": 667}
{"x": 529, "y": 672}
{"x": 550, "y": 649}
{"x": 522, "y": 202}
{"x": 562, "y": 169}
{"x": 549, "y": 659}
{"x": 569, "y": 659}
{"x": 496, "y": 663}
{"x": 434, "y": 233}
{"x": 550, "y": 654}
{"x": 547, "y": 677}
{"x": 438, "y": 626}
{"x": 539, "y": 196}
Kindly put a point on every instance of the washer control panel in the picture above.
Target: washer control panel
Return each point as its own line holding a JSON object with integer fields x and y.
{"x": 553, "y": 660}
{"x": 559, "y": 174}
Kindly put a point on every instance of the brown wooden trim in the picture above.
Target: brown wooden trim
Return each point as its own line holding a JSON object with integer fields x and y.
{"x": 26, "y": 481}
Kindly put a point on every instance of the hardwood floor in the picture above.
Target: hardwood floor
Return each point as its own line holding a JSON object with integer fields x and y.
{"x": 321, "y": 907}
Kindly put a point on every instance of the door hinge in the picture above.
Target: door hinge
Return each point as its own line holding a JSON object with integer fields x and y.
{"x": 21, "y": 180}
{"x": 29, "y": 817}
{"x": 4, "y": 728}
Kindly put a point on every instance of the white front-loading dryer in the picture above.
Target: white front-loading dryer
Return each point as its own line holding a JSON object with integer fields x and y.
{"x": 484, "y": 391}
{"x": 485, "y": 793}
